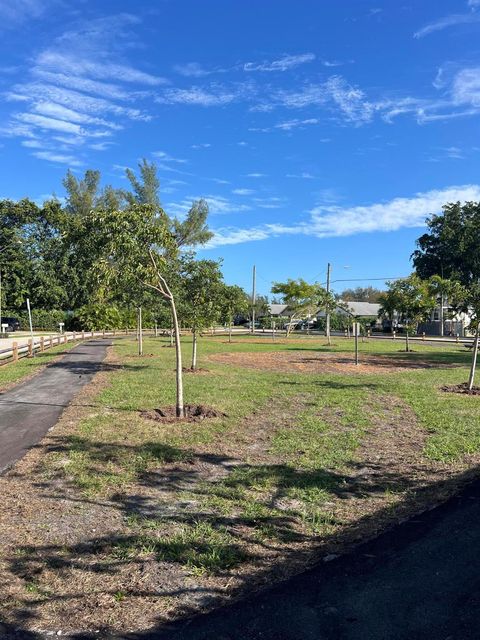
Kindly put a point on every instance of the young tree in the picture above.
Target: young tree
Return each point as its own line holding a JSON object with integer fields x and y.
{"x": 132, "y": 246}
{"x": 412, "y": 299}
{"x": 201, "y": 297}
{"x": 302, "y": 298}
{"x": 233, "y": 302}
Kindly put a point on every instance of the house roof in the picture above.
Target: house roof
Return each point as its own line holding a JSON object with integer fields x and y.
{"x": 277, "y": 309}
{"x": 366, "y": 309}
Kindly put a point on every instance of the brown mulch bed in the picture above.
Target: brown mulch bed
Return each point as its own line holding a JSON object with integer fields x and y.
{"x": 461, "y": 388}
{"x": 341, "y": 363}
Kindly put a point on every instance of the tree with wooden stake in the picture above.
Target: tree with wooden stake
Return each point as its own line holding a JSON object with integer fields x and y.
{"x": 412, "y": 299}
{"x": 202, "y": 284}
{"x": 233, "y": 302}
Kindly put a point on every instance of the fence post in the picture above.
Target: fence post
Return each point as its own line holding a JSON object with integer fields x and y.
{"x": 83, "y": 335}
{"x": 114, "y": 331}
{"x": 50, "y": 341}
{"x": 394, "y": 335}
{"x": 42, "y": 343}
{"x": 15, "y": 351}
{"x": 103, "y": 334}
{"x": 30, "y": 347}
{"x": 423, "y": 335}
{"x": 456, "y": 339}
{"x": 74, "y": 336}
{"x": 65, "y": 338}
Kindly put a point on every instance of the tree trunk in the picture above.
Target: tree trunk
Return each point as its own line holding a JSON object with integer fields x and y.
{"x": 171, "y": 333}
{"x": 194, "y": 350}
{"x": 474, "y": 360}
{"x": 407, "y": 345}
{"x": 230, "y": 331}
{"x": 140, "y": 332}
{"x": 441, "y": 316}
{"x": 180, "y": 410}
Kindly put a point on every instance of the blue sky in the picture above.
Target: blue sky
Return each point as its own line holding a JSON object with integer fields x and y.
{"x": 317, "y": 131}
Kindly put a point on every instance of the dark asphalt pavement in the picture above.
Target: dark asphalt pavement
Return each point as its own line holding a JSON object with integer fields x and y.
{"x": 31, "y": 408}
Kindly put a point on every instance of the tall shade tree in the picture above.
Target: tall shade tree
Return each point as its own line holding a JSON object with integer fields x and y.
{"x": 201, "y": 297}
{"x": 361, "y": 294}
{"x": 412, "y": 299}
{"x": 82, "y": 193}
{"x": 450, "y": 249}
{"x": 233, "y": 302}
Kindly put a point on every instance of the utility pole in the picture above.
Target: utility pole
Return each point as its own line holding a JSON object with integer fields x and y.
{"x": 327, "y": 310}
{"x": 254, "y": 296}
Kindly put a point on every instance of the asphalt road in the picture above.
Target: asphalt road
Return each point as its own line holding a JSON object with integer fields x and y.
{"x": 31, "y": 408}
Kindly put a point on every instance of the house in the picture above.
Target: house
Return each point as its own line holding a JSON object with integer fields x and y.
{"x": 279, "y": 310}
{"x": 453, "y": 323}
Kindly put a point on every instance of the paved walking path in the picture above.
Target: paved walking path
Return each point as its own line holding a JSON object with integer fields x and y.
{"x": 31, "y": 408}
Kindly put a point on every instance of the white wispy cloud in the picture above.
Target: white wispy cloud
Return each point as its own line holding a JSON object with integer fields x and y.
{"x": 13, "y": 12}
{"x": 281, "y": 64}
{"x": 448, "y": 21}
{"x": 165, "y": 157}
{"x": 243, "y": 192}
{"x": 191, "y": 70}
{"x": 256, "y": 175}
{"x": 304, "y": 175}
{"x": 202, "y": 145}
{"x": 213, "y": 96}
{"x": 335, "y": 93}
{"x": 216, "y": 204}
{"x": 58, "y": 158}
{"x": 288, "y": 125}
{"x": 337, "y": 221}
{"x": 80, "y": 87}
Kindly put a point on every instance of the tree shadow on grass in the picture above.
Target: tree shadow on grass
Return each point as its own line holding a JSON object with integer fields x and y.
{"x": 204, "y": 512}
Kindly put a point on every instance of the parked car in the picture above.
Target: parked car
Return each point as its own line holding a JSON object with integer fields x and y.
{"x": 13, "y": 324}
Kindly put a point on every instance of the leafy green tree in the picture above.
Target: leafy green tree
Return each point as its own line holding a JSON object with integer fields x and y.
{"x": 450, "y": 250}
{"x": 202, "y": 283}
{"x": 303, "y": 299}
{"x": 450, "y": 247}
{"x": 233, "y": 302}
{"x": 81, "y": 194}
{"x": 361, "y": 294}
{"x": 412, "y": 299}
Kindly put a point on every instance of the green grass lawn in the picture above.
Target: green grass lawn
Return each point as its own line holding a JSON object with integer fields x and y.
{"x": 301, "y": 463}
{"x": 309, "y": 451}
{"x": 11, "y": 373}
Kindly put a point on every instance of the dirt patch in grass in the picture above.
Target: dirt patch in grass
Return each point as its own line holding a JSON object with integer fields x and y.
{"x": 341, "y": 363}
{"x": 193, "y": 413}
{"x": 461, "y": 388}
{"x": 198, "y": 370}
